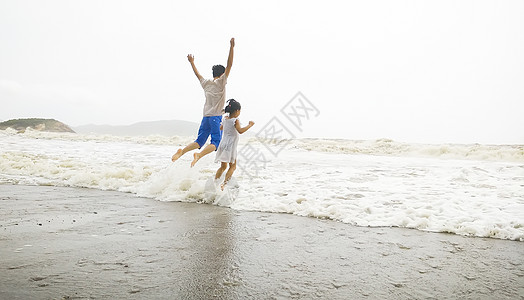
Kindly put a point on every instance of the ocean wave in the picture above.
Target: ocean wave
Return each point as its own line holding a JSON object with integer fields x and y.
{"x": 147, "y": 140}
{"x": 384, "y": 147}
{"x": 367, "y": 183}
{"x": 387, "y": 147}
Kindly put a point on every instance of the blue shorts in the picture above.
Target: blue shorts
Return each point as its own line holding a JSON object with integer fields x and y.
{"x": 209, "y": 126}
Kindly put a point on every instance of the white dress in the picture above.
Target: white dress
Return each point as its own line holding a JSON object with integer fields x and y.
{"x": 227, "y": 149}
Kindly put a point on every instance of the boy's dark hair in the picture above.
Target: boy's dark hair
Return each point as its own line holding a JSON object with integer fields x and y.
{"x": 218, "y": 70}
{"x": 232, "y": 106}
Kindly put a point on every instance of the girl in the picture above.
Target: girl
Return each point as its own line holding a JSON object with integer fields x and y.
{"x": 227, "y": 150}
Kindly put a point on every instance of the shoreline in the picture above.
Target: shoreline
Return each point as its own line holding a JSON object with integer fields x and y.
{"x": 73, "y": 243}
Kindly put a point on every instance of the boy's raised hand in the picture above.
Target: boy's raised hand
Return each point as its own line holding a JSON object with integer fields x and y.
{"x": 191, "y": 60}
{"x": 232, "y": 42}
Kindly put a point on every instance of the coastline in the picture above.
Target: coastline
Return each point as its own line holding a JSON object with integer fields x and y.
{"x": 72, "y": 243}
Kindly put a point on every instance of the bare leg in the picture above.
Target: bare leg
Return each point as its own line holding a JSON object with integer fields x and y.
{"x": 229, "y": 174}
{"x": 181, "y": 152}
{"x": 208, "y": 149}
{"x": 223, "y": 167}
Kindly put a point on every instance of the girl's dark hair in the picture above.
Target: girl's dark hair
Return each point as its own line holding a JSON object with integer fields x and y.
{"x": 232, "y": 106}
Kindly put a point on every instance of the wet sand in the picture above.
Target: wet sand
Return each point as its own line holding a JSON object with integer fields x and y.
{"x": 68, "y": 243}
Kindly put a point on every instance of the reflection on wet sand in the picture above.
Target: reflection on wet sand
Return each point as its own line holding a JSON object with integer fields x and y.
{"x": 209, "y": 269}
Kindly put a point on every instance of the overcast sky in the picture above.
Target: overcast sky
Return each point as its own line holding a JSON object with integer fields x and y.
{"x": 415, "y": 71}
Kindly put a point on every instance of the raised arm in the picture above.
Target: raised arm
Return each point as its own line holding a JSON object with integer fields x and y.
{"x": 243, "y": 129}
{"x": 230, "y": 57}
{"x": 191, "y": 59}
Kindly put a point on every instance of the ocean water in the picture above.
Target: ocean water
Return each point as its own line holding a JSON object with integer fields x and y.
{"x": 472, "y": 190}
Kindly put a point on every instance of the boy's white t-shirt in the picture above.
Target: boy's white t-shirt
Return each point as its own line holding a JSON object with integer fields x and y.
{"x": 215, "y": 91}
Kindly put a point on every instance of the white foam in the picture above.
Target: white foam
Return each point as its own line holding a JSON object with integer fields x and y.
{"x": 382, "y": 147}
{"x": 387, "y": 147}
{"x": 392, "y": 185}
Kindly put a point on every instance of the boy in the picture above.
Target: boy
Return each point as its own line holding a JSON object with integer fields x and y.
{"x": 215, "y": 91}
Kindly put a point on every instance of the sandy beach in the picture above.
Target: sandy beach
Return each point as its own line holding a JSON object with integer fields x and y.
{"x": 71, "y": 243}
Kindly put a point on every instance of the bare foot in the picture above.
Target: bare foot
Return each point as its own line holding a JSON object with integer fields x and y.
{"x": 196, "y": 157}
{"x": 223, "y": 185}
{"x": 176, "y": 155}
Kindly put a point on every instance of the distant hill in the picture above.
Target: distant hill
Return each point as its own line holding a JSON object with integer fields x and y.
{"x": 50, "y": 125}
{"x": 166, "y": 128}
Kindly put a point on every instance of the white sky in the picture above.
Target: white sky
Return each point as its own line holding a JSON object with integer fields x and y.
{"x": 415, "y": 71}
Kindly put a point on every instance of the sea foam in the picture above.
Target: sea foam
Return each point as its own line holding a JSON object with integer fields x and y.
{"x": 474, "y": 190}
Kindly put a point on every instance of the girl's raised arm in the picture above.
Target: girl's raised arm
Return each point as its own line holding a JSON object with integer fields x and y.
{"x": 243, "y": 129}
